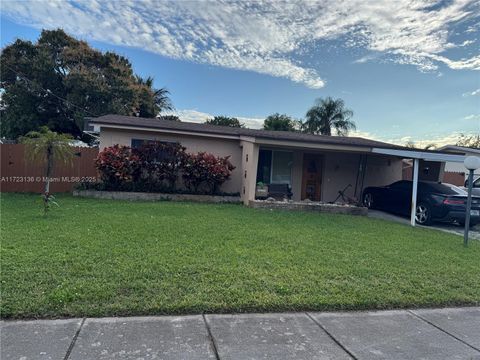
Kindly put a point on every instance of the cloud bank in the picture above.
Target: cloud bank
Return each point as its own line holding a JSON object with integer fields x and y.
{"x": 268, "y": 37}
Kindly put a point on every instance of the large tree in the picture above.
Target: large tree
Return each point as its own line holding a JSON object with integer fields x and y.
{"x": 471, "y": 141}
{"x": 326, "y": 115}
{"x": 277, "y": 122}
{"x": 59, "y": 80}
{"x": 225, "y": 121}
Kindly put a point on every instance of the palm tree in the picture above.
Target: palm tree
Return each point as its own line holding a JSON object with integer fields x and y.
{"x": 47, "y": 146}
{"x": 161, "y": 96}
{"x": 328, "y": 114}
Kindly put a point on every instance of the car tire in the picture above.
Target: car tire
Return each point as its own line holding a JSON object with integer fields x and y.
{"x": 423, "y": 214}
{"x": 368, "y": 200}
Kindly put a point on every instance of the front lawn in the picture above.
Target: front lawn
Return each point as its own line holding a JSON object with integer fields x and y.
{"x": 102, "y": 258}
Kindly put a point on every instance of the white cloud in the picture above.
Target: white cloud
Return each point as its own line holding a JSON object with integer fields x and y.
{"x": 200, "y": 117}
{"x": 472, "y": 117}
{"x": 438, "y": 140}
{"x": 472, "y": 93}
{"x": 266, "y": 36}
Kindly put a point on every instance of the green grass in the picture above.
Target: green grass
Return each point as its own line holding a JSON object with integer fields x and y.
{"x": 102, "y": 258}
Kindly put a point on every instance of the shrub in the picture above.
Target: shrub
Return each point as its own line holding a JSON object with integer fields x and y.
{"x": 117, "y": 165}
{"x": 204, "y": 169}
{"x": 160, "y": 164}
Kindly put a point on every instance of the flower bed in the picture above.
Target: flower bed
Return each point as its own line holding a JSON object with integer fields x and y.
{"x": 160, "y": 167}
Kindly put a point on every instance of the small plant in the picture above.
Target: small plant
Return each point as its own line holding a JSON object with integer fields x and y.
{"x": 207, "y": 170}
{"x": 160, "y": 164}
{"x": 47, "y": 147}
{"x": 118, "y": 165}
{"x": 48, "y": 200}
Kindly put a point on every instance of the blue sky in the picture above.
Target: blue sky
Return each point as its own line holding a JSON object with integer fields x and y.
{"x": 408, "y": 69}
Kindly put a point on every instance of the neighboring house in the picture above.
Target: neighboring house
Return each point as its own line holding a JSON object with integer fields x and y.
{"x": 455, "y": 173}
{"x": 315, "y": 167}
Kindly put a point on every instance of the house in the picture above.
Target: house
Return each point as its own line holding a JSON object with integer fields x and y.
{"x": 455, "y": 173}
{"x": 316, "y": 167}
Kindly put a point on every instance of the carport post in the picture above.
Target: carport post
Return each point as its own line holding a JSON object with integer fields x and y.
{"x": 414, "y": 192}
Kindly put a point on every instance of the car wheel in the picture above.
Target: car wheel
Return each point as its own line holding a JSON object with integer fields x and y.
{"x": 368, "y": 200}
{"x": 423, "y": 214}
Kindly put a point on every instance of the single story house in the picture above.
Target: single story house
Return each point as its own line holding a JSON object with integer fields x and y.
{"x": 455, "y": 173}
{"x": 316, "y": 167}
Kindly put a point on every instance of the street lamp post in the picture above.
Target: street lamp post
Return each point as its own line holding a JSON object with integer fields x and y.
{"x": 471, "y": 163}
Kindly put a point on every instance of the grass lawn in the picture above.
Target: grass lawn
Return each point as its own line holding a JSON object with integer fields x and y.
{"x": 102, "y": 258}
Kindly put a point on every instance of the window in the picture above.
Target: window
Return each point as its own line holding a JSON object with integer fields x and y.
{"x": 274, "y": 167}
{"x": 264, "y": 166}
{"x": 402, "y": 185}
{"x": 282, "y": 167}
{"x": 136, "y": 143}
{"x": 159, "y": 154}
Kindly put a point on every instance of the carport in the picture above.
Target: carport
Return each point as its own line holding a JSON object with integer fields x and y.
{"x": 416, "y": 156}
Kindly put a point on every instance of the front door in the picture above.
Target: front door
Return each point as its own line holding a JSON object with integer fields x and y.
{"x": 312, "y": 177}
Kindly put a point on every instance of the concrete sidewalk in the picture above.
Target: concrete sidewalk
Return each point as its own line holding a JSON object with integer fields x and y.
{"x": 400, "y": 334}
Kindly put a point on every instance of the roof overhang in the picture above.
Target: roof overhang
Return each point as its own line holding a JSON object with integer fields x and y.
{"x": 418, "y": 154}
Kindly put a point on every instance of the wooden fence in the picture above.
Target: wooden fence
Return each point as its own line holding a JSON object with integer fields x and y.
{"x": 19, "y": 174}
{"x": 454, "y": 178}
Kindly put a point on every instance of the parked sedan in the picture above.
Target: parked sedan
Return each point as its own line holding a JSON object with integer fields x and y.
{"x": 435, "y": 201}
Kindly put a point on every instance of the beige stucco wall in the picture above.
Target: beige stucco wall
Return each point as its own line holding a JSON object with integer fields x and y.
{"x": 341, "y": 169}
{"x": 382, "y": 170}
{"x": 218, "y": 147}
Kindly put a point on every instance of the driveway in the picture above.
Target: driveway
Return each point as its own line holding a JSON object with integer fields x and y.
{"x": 450, "y": 228}
{"x": 398, "y": 334}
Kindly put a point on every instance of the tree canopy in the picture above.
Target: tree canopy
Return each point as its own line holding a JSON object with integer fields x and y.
{"x": 59, "y": 80}
{"x": 283, "y": 122}
{"x": 326, "y": 115}
{"x": 471, "y": 141}
{"x": 225, "y": 121}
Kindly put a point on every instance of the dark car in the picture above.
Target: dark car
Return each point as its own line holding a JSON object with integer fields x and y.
{"x": 435, "y": 201}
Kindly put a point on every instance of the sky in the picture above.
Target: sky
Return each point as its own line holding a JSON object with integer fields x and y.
{"x": 408, "y": 69}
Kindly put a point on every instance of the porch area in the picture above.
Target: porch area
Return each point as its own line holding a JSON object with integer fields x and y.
{"x": 322, "y": 176}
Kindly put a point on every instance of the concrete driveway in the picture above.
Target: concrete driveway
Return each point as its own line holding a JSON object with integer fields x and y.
{"x": 450, "y": 228}
{"x": 399, "y": 334}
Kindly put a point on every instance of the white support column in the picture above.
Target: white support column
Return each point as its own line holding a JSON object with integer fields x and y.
{"x": 414, "y": 192}
{"x": 249, "y": 171}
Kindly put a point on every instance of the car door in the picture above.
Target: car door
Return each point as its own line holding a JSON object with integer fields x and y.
{"x": 400, "y": 197}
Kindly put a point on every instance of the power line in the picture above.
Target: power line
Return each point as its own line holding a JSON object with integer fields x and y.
{"x": 48, "y": 91}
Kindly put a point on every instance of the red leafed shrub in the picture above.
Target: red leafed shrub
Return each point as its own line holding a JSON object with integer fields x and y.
{"x": 207, "y": 170}
{"x": 117, "y": 165}
{"x": 160, "y": 163}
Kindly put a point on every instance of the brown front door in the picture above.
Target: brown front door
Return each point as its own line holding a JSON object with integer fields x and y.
{"x": 312, "y": 177}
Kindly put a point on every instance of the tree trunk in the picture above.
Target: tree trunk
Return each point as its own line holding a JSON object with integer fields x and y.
{"x": 49, "y": 168}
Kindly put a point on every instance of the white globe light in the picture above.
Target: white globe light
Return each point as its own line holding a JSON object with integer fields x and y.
{"x": 472, "y": 162}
